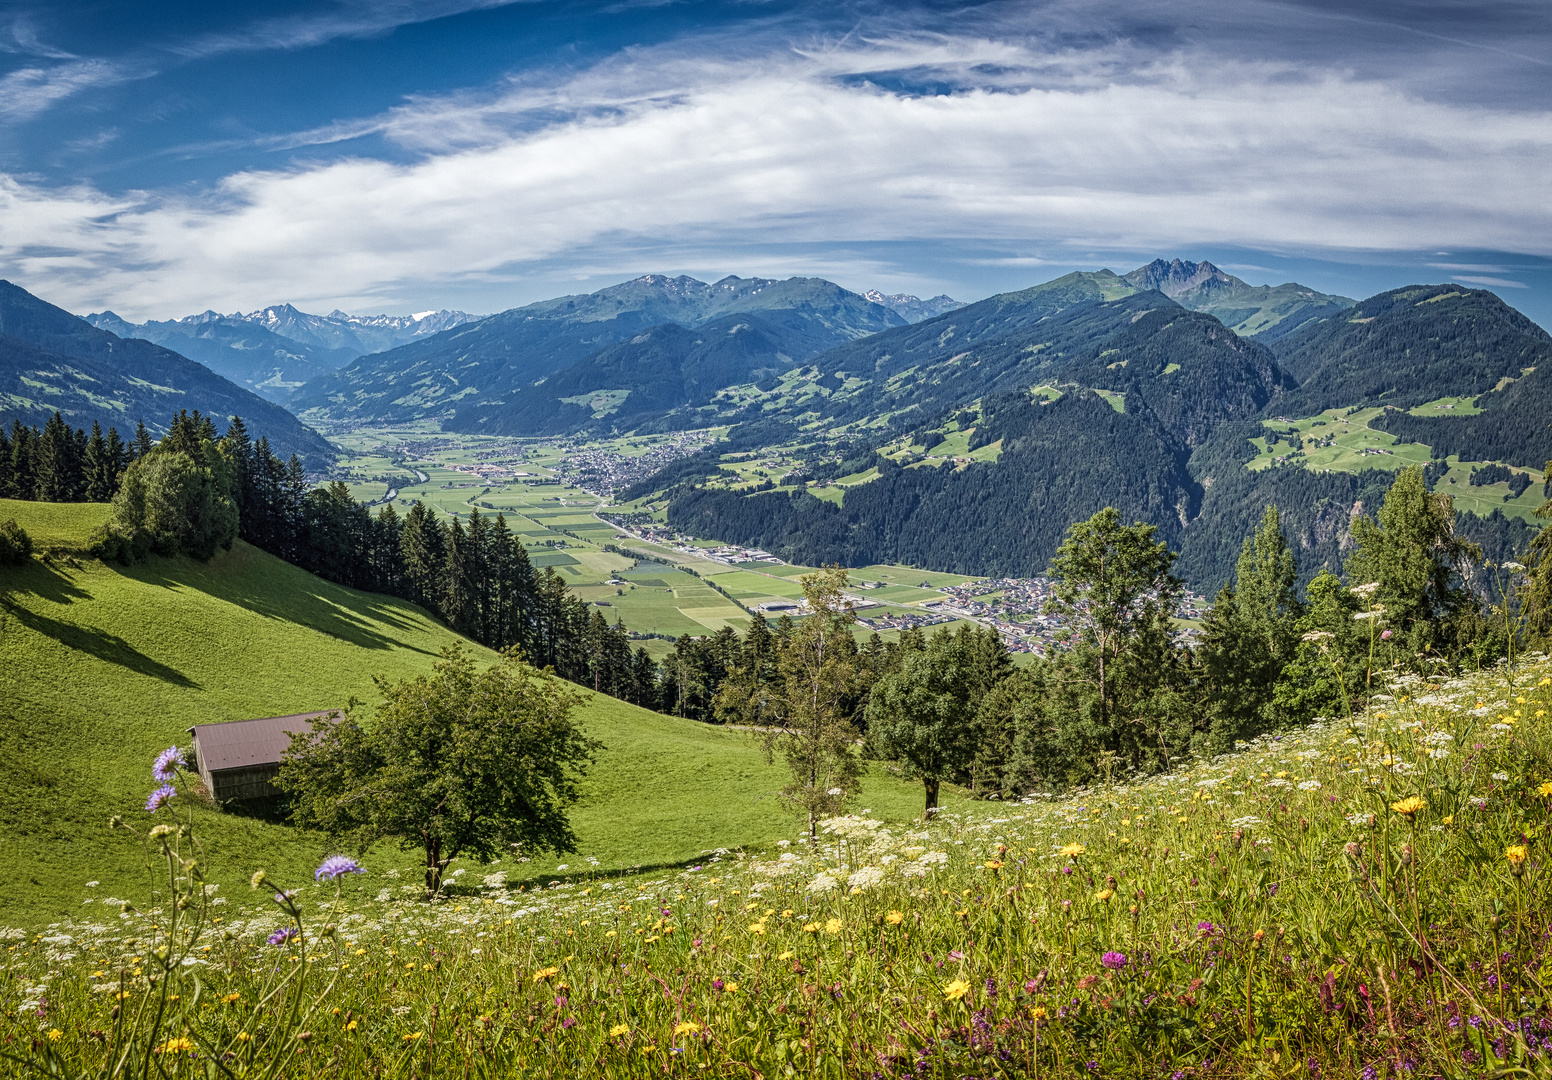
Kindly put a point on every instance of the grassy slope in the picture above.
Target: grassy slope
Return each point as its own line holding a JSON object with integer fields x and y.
{"x": 100, "y": 667}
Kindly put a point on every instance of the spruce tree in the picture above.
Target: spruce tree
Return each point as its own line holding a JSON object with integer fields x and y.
{"x": 58, "y": 476}
{"x": 98, "y": 467}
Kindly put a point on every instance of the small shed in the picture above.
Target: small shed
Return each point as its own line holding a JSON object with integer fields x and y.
{"x": 239, "y": 760}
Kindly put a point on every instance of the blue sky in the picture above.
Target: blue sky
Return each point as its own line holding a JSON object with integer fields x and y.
{"x": 160, "y": 159}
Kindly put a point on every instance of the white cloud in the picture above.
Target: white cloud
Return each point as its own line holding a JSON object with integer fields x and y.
{"x": 663, "y": 152}
{"x": 28, "y": 91}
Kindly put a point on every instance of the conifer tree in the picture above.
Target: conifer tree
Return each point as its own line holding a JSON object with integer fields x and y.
{"x": 98, "y": 467}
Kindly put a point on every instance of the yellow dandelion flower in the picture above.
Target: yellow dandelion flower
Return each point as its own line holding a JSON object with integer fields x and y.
{"x": 1072, "y": 851}
{"x": 993, "y": 864}
{"x": 55, "y": 1034}
{"x": 1450, "y": 820}
{"x": 1182, "y": 819}
{"x": 545, "y": 973}
{"x": 956, "y": 990}
{"x": 232, "y": 998}
{"x": 1408, "y": 807}
{"x": 1040, "y": 1012}
{"x": 894, "y": 918}
{"x": 619, "y": 1030}
{"x": 686, "y": 1027}
{"x": 351, "y": 1026}
{"x": 730, "y": 987}
{"x": 757, "y": 928}
{"x": 812, "y": 928}
{"x": 1104, "y": 895}
{"x": 182, "y": 1044}
{"x": 833, "y": 926}
{"x": 1516, "y": 854}
{"x": 413, "y": 1036}
{"x": 1545, "y": 790}
{"x": 786, "y": 955}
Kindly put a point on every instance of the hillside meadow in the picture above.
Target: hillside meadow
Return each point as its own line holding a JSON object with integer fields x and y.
{"x": 103, "y": 666}
{"x": 1366, "y": 897}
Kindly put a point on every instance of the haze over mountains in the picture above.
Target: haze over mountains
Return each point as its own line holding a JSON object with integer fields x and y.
{"x": 51, "y": 360}
{"x": 276, "y": 349}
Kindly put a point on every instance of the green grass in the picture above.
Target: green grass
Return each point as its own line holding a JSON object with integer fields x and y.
{"x": 101, "y": 667}
{"x": 1282, "y": 911}
{"x": 62, "y": 525}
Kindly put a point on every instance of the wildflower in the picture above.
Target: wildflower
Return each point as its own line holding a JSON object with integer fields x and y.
{"x": 956, "y": 990}
{"x": 1365, "y": 590}
{"x": 1310, "y": 785}
{"x": 894, "y": 918}
{"x": 618, "y": 1030}
{"x": 1516, "y": 855}
{"x": 182, "y": 1044}
{"x": 1408, "y": 807}
{"x": 1317, "y": 635}
{"x": 1545, "y": 790}
{"x": 160, "y": 798}
{"x": 336, "y": 866}
{"x": 413, "y": 1036}
{"x": 686, "y": 1027}
{"x": 55, "y": 1034}
{"x": 1072, "y": 851}
{"x": 833, "y": 926}
{"x": 545, "y": 973}
{"x": 280, "y": 937}
{"x": 1115, "y": 961}
{"x": 232, "y": 998}
{"x": 993, "y": 864}
{"x": 163, "y": 768}
{"x": 1104, "y": 895}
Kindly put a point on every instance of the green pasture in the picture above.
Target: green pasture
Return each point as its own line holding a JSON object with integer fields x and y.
{"x": 101, "y": 667}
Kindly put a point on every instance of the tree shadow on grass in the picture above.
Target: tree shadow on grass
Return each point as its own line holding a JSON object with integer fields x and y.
{"x": 109, "y": 648}
{"x": 269, "y": 587}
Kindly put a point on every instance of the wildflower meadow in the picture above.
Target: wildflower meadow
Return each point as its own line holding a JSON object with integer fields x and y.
{"x": 1365, "y": 897}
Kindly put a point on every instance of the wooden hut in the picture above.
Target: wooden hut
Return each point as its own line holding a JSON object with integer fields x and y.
{"x": 239, "y": 760}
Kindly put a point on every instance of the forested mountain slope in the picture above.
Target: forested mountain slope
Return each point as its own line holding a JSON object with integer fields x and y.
{"x": 51, "y": 360}
{"x": 1194, "y": 395}
{"x": 1409, "y": 346}
{"x": 470, "y": 376}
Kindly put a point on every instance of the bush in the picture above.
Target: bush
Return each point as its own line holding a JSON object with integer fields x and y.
{"x": 15, "y": 544}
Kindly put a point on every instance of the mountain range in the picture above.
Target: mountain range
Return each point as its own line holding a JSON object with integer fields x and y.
{"x": 276, "y": 349}
{"x": 1138, "y": 403}
{"x": 482, "y": 376}
{"x": 51, "y": 360}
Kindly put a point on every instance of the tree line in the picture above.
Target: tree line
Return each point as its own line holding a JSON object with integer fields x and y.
{"x": 1128, "y": 694}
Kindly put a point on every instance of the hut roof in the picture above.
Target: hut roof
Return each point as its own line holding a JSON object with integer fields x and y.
{"x": 240, "y": 744}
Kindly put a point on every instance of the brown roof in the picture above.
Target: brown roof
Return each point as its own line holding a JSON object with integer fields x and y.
{"x": 241, "y": 744}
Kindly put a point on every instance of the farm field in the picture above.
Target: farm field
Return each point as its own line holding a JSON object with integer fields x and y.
{"x": 534, "y": 485}
{"x": 1340, "y": 440}
{"x": 101, "y": 667}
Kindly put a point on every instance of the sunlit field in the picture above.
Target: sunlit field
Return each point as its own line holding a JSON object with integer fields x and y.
{"x": 1366, "y": 897}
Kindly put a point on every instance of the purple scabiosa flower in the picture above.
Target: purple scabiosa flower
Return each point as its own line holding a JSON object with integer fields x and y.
{"x": 335, "y": 866}
{"x": 281, "y": 936}
{"x": 1115, "y": 961}
{"x": 1206, "y": 928}
{"x": 165, "y": 767}
{"x": 160, "y": 798}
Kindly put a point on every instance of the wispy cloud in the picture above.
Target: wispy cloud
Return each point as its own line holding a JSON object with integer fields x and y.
{"x": 350, "y": 19}
{"x": 28, "y": 91}
{"x": 836, "y": 141}
{"x": 1496, "y": 282}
